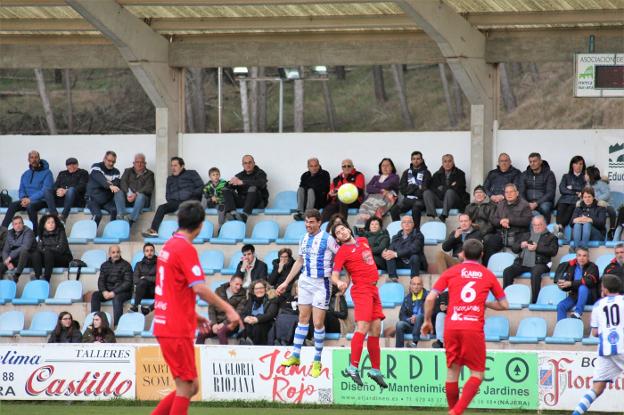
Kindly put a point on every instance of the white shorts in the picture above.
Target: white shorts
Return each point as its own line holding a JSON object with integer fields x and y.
{"x": 314, "y": 291}
{"x": 608, "y": 368}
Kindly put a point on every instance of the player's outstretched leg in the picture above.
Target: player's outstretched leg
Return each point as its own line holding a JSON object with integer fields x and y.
{"x": 589, "y": 398}
{"x": 319, "y": 339}
{"x": 301, "y": 333}
{"x": 374, "y": 353}
{"x": 357, "y": 344}
{"x": 471, "y": 388}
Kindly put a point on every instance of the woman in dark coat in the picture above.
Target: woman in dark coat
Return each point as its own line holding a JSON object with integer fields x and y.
{"x": 378, "y": 239}
{"x": 52, "y": 246}
{"x": 259, "y": 314}
{"x": 588, "y": 220}
{"x": 281, "y": 268}
{"x": 66, "y": 331}
{"x": 570, "y": 187}
{"x": 99, "y": 331}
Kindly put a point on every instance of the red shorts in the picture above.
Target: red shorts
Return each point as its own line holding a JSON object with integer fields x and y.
{"x": 366, "y": 302}
{"x": 465, "y": 348}
{"x": 179, "y": 353}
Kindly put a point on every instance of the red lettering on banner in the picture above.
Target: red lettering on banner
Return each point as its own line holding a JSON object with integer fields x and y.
{"x": 37, "y": 384}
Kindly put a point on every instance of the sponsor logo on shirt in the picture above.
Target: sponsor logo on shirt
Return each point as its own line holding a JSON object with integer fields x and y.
{"x": 472, "y": 274}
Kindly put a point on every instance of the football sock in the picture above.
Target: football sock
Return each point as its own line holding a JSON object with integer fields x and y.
{"x": 357, "y": 344}
{"x": 301, "y": 333}
{"x": 319, "y": 338}
{"x": 164, "y": 406}
{"x": 180, "y": 406}
{"x": 374, "y": 352}
{"x": 470, "y": 390}
{"x": 585, "y": 403}
{"x": 452, "y": 393}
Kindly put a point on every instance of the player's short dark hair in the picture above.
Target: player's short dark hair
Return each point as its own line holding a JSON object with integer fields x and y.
{"x": 148, "y": 244}
{"x": 247, "y": 248}
{"x": 191, "y": 215}
{"x": 214, "y": 170}
{"x": 180, "y": 160}
{"x": 473, "y": 249}
{"x": 312, "y": 213}
{"x": 333, "y": 230}
{"x": 612, "y": 283}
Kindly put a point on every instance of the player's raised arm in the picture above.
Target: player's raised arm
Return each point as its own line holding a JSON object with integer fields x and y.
{"x": 210, "y": 297}
{"x": 294, "y": 271}
{"x": 427, "y": 326}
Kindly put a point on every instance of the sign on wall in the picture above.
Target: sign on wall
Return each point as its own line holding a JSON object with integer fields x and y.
{"x": 599, "y": 75}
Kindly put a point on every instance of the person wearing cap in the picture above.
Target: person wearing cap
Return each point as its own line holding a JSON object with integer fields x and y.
{"x": 68, "y": 190}
{"x": 137, "y": 185}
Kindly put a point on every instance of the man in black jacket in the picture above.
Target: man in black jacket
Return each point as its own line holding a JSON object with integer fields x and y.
{"x": 616, "y": 266}
{"x": 447, "y": 189}
{"x": 145, "y": 279}
{"x": 233, "y": 293}
{"x": 538, "y": 186}
{"x": 137, "y": 185}
{"x": 414, "y": 181}
{"x": 536, "y": 249}
{"x": 247, "y": 190}
{"x": 182, "y": 185}
{"x": 114, "y": 283}
{"x": 250, "y": 268}
{"x": 313, "y": 188}
{"x": 69, "y": 189}
{"x": 580, "y": 278}
{"x": 455, "y": 243}
{"x": 406, "y": 250}
{"x": 18, "y": 249}
{"x": 501, "y": 176}
{"x": 104, "y": 180}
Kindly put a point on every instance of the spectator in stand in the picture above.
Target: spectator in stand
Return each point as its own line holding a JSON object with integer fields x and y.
{"x": 447, "y": 189}
{"x": 616, "y": 266}
{"x": 18, "y": 249}
{"x": 336, "y": 315}
{"x": 335, "y": 219}
{"x": 251, "y": 268}
{"x": 313, "y": 188}
{"x": 570, "y": 187}
{"x": 104, "y": 182}
{"x": 137, "y": 185}
{"x": 455, "y": 243}
{"x": 501, "y": 176}
{"x": 579, "y": 277}
{"x": 588, "y": 220}
{"x": 481, "y": 211}
{"x": 281, "y": 267}
{"x": 247, "y": 190}
{"x": 3, "y": 235}
{"x": 233, "y": 293}
{"x": 34, "y": 184}
{"x": 538, "y": 186}
{"x": 382, "y": 190}
{"x": 114, "y": 283}
{"x": 259, "y": 314}
{"x": 144, "y": 278}
{"x": 378, "y": 239}
{"x": 52, "y": 249}
{"x": 438, "y": 317}
{"x": 68, "y": 190}
{"x": 213, "y": 192}
{"x": 406, "y": 250}
{"x": 99, "y": 331}
{"x": 182, "y": 185}
{"x": 511, "y": 218}
{"x": 603, "y": 195}
{"x": 536, "y": 250}
{"x": 414, "y": 181}
{"x": 287, "y": 316}
{"x": 349, "y": 175}
{"x": 412, "y": 313}
{"x": 66, "y": 331}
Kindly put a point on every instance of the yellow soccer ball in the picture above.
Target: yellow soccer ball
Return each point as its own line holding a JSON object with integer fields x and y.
{"x": 347, "y": 193}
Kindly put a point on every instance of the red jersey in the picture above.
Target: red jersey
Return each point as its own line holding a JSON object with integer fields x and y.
{"x": 177, "y": 271}
{"x": 358, "y": 260}
{"x": 469, "y": 284}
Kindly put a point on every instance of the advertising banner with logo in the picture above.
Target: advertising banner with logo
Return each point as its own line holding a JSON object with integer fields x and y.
{"x": 565, "y": 376}
{"x": 67, "y": 371}
{"x": 615, "y": 173}
{"x": 417, "y": 377}
{"x": 254, "y": 373}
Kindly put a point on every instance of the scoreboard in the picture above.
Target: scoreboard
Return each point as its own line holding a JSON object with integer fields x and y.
{"x": 599, "y": 75}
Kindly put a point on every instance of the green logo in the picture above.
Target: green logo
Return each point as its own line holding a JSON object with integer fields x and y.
{"x": 589, "y": 73}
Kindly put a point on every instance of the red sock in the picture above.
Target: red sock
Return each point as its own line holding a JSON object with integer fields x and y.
{"x": 357, "y": 344}
{"x": 164, "y": 406}
{"x": 374, "y": 352}
{"x": 452, "y": 393}
{"x": 470, "y": 390}
{"x": 180, "y": 406}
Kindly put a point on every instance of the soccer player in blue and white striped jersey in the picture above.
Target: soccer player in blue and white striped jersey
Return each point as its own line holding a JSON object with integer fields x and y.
{"x": 607, "y": 322}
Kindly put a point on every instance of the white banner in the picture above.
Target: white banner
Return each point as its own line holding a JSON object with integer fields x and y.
{"x": 67, "y": 371}
{"x": 254, "y": 373}
{"x": 565, "y": 376}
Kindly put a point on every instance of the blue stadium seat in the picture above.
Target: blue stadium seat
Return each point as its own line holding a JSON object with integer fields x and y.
{"x": 27, "y": 223}
{"x": 602, "y": 261}
{"x": 11, "y": 322}
{"x": 391, "y": 294}
{"x": 591, "y": 340}
{"x": 114, "y": 232}
{"x": 165, "y": 230}
{"x": 530, "y": 331}
{"x": 230, "y": 233}
{"x": 548, "y": 298}
{"x": 231, "y": 269}
{"x": 393, "y": 228}
{"x": 138, "y": 256}
{"x": 42, "y": 324}
{"x": 8, "y": 289}
{"x": 14, "y": 193}
{"x": 130, "y": 325}
{"x": 293, "y": 233}
{"x": 499, "y": 261}
{"x": 567, "y": 331}
{"x": 89, "y": 320}
{"x": 212, "y": 211}
{"x": 616, "y": 199}
{"x": 82, "y": 232}
{"x": 496, "y": 329}
{"x": 434, "y": 232}
{"x": 67, "y": 292}
{"x": 349, "y": 336}
{"x": 263, "y": 233}
{"x": 452, "y": 212}
{"x": 268, "y": 259}
{"x": 211, "y": 261}
{"x": 35, "y": 292}
{"x": 148, "y": 334}
{"x": 145, "y": 301}
{"x": 284, "y": 204}
{"x": 207, "y": 231}
{"x": 94, "y": 258}
{"x": 518, "y": 296}
{"x": 332, "y": 336}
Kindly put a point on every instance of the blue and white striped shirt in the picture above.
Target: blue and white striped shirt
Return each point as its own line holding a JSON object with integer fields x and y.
{"x": 317, "y": 252}
{"x": 608, "y": 317}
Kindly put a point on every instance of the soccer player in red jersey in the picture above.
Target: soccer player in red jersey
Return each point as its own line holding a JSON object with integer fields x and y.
{"x": 356, "y": 257}
{"x": 179, "y": 278}
{"x": 469, "y": 284}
